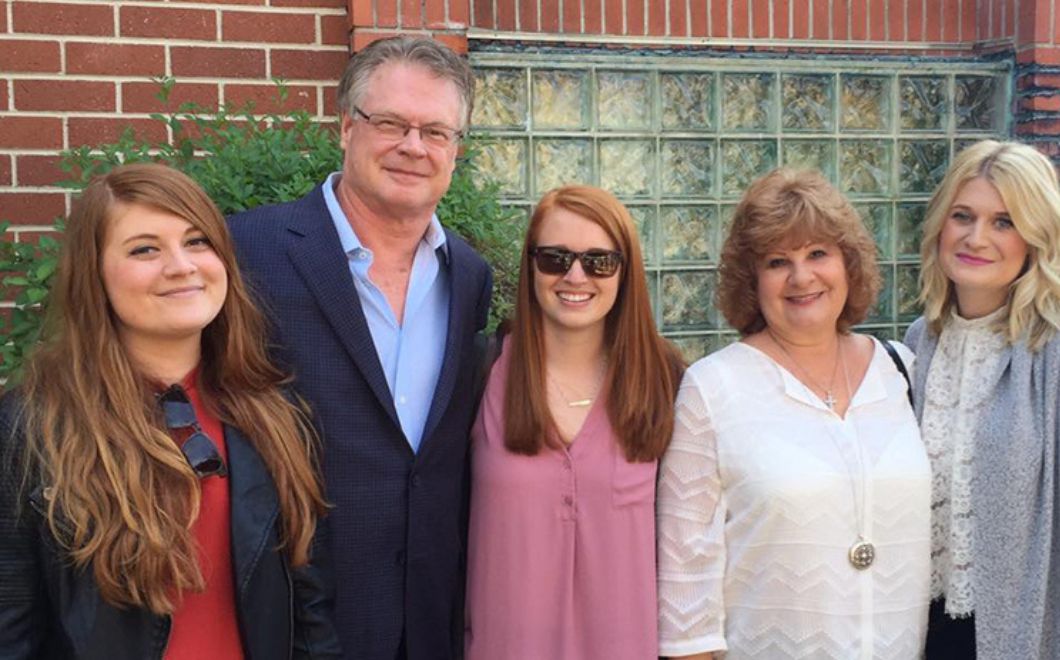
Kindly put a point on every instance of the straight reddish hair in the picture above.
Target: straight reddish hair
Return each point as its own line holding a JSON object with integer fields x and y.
{"x": 644, "y": 369}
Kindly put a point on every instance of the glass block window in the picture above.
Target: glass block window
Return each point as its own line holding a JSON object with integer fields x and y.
{"x": 678, "y": 139}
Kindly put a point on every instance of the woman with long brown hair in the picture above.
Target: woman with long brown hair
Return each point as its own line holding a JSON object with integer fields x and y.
{"x": 159, "y": 496}
{"x": 577, "y": 410}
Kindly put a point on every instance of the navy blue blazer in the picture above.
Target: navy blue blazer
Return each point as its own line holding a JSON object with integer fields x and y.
{"x": 397, "y": 527}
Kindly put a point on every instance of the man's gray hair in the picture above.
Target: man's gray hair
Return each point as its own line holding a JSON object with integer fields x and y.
{"x": 421, "y": 51}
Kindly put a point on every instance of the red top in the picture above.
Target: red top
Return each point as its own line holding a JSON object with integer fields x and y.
{"x": 205, "y": 624}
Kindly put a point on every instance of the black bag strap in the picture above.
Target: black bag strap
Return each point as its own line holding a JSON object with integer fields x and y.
{"x": 893, "y": 352}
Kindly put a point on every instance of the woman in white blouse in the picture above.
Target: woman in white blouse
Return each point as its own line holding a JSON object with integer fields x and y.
{"x": 987, "y": 386}
{"x": 793, "y": 504}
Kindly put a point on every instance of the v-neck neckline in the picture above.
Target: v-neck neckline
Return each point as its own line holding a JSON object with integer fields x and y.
{"x": 868, "y": 390}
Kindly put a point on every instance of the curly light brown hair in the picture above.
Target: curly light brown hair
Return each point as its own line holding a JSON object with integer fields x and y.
{"x": 793, "y": 207}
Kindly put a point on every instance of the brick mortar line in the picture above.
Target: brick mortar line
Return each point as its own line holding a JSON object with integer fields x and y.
{"x": 22, "y": 229}
{"x": 1031, "y": 45}
{"x": 886, "y": 19}
{"x": 29, "y": 152}
{"x": 34, "y": 189}
{"x": 65, "y": 39}
{"x": 960, "y": 19}
{"x": 31, "y": 114}
{"x": 184, "y": 5}
{"x": 77, "y": 77}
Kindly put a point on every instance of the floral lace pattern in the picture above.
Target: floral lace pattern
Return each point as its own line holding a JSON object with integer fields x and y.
{"x": 959, "y": 381}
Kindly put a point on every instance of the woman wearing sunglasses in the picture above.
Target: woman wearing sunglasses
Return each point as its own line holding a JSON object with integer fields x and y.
{"x": 987, "y": 386}
{"x": 158, "y": 496}
{"x": 576, "y": 412}
{"x": 793, "y": 499}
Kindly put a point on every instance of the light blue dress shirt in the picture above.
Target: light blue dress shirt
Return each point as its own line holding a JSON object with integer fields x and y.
{"x": 410, "y": 353}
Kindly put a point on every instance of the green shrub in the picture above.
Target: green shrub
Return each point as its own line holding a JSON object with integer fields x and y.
{"x": 243, "y": 160}
{"x": 29, "y": 266}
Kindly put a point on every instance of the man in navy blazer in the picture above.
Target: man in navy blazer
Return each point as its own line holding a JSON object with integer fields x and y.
{"x": 375, "y": 309}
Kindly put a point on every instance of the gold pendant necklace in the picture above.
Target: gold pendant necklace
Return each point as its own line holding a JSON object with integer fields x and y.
{"x": 576, "y": 403}
{"x": 862, "y": 553}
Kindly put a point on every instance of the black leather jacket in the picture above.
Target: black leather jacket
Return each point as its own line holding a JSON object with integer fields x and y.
{"x": 50, "y": 610}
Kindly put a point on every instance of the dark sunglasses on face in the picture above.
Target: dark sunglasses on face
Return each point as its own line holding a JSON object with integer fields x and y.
{"x": 199, "y": 450}
{"x": 557, "y": 261}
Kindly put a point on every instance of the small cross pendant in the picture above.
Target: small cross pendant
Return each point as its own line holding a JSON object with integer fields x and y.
{"x": 829, "y": 400}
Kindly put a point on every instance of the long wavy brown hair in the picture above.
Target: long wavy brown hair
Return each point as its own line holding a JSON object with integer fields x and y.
{"x": 644, "y": 369}
{"x": 122, "y": 497}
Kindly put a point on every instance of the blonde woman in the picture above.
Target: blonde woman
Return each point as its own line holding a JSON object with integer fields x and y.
{"x": 158, "y": 498}
{"x": 987, "y": 388}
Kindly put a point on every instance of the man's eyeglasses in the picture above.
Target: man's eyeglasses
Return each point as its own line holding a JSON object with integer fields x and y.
{"x": 557, "y": 261}
{"x": 198, "y": 448}
{"x": 396, "y": 128}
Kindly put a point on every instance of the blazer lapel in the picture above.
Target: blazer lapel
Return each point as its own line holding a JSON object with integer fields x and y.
{"x": 459, "y": 304}
{"x": 254, "y": 505}
{"x": 316, "y": 255}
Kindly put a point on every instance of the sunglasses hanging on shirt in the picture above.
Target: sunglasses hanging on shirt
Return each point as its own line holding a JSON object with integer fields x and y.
{"x": 199, "y": 450}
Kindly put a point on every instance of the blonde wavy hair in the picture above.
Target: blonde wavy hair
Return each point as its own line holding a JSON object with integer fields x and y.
{"x": 122, "y": 497}
{"x": 1027, "y": 182}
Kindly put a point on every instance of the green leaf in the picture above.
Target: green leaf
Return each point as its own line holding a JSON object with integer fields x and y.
{"x": 242, "y": 160}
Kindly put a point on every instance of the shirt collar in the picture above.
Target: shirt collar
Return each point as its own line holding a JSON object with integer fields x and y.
{"x": 434, "y": 237}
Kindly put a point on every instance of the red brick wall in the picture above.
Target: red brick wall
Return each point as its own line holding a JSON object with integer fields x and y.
{"x": 951, "y": 21}
{"x": 1029, "y": 30}
{"x": 920, "y": 24}
{"x": 1037, "y": 39}
{"x": 78, "y": 72}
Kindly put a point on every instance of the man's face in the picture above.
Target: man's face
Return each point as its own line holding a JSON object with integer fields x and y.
{"x": 401, "y": 176}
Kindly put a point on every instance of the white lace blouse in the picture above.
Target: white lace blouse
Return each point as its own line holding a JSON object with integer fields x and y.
{"x": 959, "y": 380}
{"x": 760, "y": 498}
